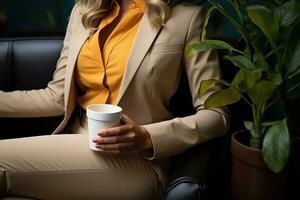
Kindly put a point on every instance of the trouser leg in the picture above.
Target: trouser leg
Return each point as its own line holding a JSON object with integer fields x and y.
{"x": 62, "y": 167}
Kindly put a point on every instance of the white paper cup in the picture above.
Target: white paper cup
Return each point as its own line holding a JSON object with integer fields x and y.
{"x": 101, "y": 116}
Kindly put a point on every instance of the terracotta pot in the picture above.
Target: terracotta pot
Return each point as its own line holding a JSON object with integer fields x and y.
{"x": 251, "y": 179}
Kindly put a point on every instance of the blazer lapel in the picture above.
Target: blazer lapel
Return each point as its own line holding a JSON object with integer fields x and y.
{"x": 74, "y": 48}
{"x": 143, "y": 41}
{"x": 74, "y": 51}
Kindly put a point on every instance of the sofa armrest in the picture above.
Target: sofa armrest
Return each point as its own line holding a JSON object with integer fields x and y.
{"x": 185, "y": 188}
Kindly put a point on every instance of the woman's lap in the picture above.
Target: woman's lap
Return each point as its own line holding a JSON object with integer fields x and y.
{"x": 63, "y": 167}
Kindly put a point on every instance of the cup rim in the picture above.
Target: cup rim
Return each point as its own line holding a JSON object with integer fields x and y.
{"x": 108, "y": 115}
{"x": 117, "y": 109}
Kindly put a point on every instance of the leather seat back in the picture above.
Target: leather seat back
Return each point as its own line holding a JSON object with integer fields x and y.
{"x": 28, "y": 63}
{"x": 25, "y": 64}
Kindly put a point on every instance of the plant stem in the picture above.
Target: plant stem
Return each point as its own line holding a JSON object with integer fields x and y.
{"x": 243, "y": 97}
{"x": 256, "y": 136}
{"x": 240, "y": 52}
{"x": 237, "y": 25}
{"x": 237, "y": 7}
{"x": 270, "y": 104}
{"x": 235, "y": 4}
{"x": 273, "y": 51}
{"x": 246, "y": 100}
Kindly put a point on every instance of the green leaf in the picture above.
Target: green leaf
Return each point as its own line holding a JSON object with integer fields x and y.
{"x": 222, "y": 97}
{"x": 206, "y": 84}
{"x": 287, "y": 13}
{"x": 251, "y": 78}
{"x": 279, "y": 2}
{"x": 294, "y": 91}
{"x": 250, "y": 127}
{"x": 271, "y": 3}
{"x": 260, "y": 61}
{"x": 293, "y": 88}
{"x": 276, "y": 146}
{"x": 266, "y": 21}
{"x": 206, "y": 45}
{"x": 247, "y": 52}
{"x": 238, "y": 81}
{"x": 242, "y": 62}
{"x": 205, "y": 23}
{"x": 261, "y": 92}
{"x": 269, "y": 123}
{"x": 244, "y": 80}
{"x": 277, "y": 79}
{"x": 295, "y": 73}
{"x": 292, "y": 53}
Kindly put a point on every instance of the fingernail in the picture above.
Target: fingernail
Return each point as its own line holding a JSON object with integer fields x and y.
{"x": 95, "y": 139}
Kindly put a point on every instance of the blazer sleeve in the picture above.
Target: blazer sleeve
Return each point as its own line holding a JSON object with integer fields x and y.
{"x": 42, "y": 102}
{"x": 176, "y": 135}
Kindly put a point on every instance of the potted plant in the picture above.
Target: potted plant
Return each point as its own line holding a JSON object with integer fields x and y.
{"x": 268, "y": 76}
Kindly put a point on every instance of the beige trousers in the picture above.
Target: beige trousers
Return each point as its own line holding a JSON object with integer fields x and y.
{"x": 62, "y": 167}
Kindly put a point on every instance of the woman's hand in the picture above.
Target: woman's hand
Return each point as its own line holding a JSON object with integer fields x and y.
{"x": 124, "y": 138}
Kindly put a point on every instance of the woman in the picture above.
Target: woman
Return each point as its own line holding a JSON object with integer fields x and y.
{"x": 124, "y": 52}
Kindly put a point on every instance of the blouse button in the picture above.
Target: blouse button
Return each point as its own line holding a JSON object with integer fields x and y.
{"x": 132, "y": 5}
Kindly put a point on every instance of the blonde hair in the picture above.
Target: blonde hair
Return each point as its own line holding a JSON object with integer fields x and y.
{"x": 157, "y": 12}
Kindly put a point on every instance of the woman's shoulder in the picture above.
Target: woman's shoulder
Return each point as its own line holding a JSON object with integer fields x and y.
{"x": 187, "y": 10}
{"x": 76, "y": 10}
{"x": 184, "y": 13}
{"x": 76, "y": 15}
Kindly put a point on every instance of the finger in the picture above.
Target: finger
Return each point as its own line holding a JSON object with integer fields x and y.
{"x": 113, "y": 147}
{"x": 116, "y": 130}
{"x": 126, "y": 120}
{"x": 128, "y": 137}
{"x": 98, "y": 140}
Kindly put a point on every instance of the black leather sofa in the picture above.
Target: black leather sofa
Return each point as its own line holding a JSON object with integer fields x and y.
{"x": 201, "y": 172}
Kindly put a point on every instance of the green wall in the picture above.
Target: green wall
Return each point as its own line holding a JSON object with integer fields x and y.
{"x": 50, "y": 16}
{"x": 27, "y": 16}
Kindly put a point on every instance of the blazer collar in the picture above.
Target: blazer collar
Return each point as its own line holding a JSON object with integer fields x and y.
{"x": 145, "y": 36}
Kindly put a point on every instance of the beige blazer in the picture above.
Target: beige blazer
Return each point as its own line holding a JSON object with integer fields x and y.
{"x": 151, "y": 78}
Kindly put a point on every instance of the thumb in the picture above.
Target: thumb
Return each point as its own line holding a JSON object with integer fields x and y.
{"x": 126, "y": 120}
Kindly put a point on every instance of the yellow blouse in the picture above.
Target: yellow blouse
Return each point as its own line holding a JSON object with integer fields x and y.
{"x": 98, "y": 71}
